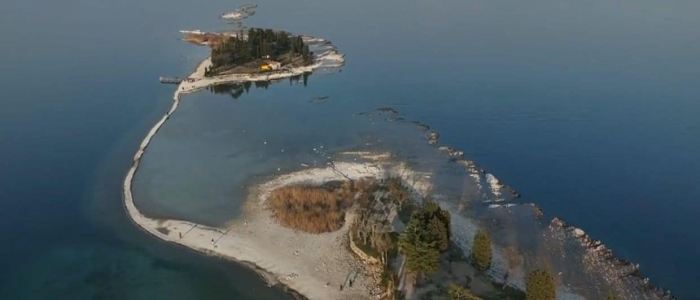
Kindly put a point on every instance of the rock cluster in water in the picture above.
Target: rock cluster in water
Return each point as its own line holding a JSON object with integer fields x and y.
{"x": 619, "y": 273}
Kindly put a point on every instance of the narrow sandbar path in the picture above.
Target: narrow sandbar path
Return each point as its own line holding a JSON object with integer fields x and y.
{"x": 314, "y": 265}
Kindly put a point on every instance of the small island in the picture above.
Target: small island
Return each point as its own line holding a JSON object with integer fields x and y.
{"x": 257, "y": 51}
{"x": 255, "y": 55}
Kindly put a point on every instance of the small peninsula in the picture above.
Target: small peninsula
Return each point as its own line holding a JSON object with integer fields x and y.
{"x": 367, "y": 224}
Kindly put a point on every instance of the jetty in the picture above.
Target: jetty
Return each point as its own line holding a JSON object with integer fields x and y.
{"x": 171, "y": 80}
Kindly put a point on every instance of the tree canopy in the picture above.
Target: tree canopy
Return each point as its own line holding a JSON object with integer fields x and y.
{"x": 426, "y": 235}
{"x": 481, "y": 252}
{"x": 539, "y": 285}
{"x": 259, "y": 44}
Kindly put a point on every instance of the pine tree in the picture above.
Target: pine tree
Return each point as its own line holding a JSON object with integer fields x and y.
{"x": 424, "y": 238}
{"x": 481, "y": 252}
{"x": 422, "y": 256}
{"x": 438, "y": 229}
{"x": 539, "y": 285}
{"x": 305, "y": 54}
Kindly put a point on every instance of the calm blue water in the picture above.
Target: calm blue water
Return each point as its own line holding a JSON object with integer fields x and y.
{"x": 587, "y": 108}
{"x": 78, "y": 92}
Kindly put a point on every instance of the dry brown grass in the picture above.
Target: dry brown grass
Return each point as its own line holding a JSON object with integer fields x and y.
{"x": 314, "y": 209}
{"x": 211, "y": 38}
{"x": 398, "y": 191}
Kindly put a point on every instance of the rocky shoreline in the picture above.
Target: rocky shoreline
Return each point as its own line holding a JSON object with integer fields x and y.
{"x": 617, "y": 271}
{"x": 620, "y": 271}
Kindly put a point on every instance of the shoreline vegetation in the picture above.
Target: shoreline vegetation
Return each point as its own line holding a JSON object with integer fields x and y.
{"x": 347, "y": 230}
{"x": 256, "y": 51}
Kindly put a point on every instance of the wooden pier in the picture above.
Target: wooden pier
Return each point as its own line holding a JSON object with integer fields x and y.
{"x": 170, "y": 80}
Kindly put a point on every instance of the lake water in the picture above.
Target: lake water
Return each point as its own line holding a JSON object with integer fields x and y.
{"x": 587, "y": 109}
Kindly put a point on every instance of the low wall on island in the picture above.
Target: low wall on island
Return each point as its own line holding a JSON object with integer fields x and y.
{"x": 366, "y": 258}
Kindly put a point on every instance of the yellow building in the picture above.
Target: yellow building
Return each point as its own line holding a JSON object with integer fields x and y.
{"x": 270, "y": 65}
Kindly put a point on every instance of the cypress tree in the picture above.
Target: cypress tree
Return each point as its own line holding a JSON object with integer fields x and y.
{"x": 481, "y": 252}
{"x": 422, "y": 255}
{"x": 539, "y": 285}
{"x": 426, "y": 235}
{"x": 438, "y": 228}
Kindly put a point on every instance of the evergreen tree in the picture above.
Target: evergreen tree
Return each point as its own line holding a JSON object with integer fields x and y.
{"x": 539, "y": 285}
{"x": 481, "y": 251}
{"x": 424, "y": 238}
{"x": 437, "y": 228}
{"x": 305, "y": 54}
{"x": 234, "y": 51}
{"x": 422, "y": 256}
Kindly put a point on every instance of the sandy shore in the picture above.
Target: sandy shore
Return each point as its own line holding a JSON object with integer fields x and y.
{"x": 313, "y": 265}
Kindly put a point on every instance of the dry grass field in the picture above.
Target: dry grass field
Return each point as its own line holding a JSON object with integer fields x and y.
{"x": 316, "y": 209}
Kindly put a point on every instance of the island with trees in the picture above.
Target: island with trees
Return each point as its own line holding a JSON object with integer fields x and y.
{"x": 257, "y": 51}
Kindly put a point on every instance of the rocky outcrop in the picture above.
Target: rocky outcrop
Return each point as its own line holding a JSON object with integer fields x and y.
{"x": 433, "y": 138}
{"x": 452, "y": 151}
{"x": 618, "y": 272}
{"x": 511, "y": 191}
{"x": 388, "y": 110}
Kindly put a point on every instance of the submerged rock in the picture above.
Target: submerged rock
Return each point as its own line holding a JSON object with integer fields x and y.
{"x": 433, "y": 138}
{"x": 557, "y": 222}
{"x": 618, "y": 272}
{"x": 388, "y": 110}
{"x": 451, "y": 151}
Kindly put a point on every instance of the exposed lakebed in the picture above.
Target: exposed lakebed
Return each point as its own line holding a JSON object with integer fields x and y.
{"x": 202, "y": 163}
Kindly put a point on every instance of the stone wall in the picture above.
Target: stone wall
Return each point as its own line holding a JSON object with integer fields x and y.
{"x": 366, "y": 258}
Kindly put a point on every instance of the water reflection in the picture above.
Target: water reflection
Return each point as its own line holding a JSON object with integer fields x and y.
{"x": 236, "y": 90}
